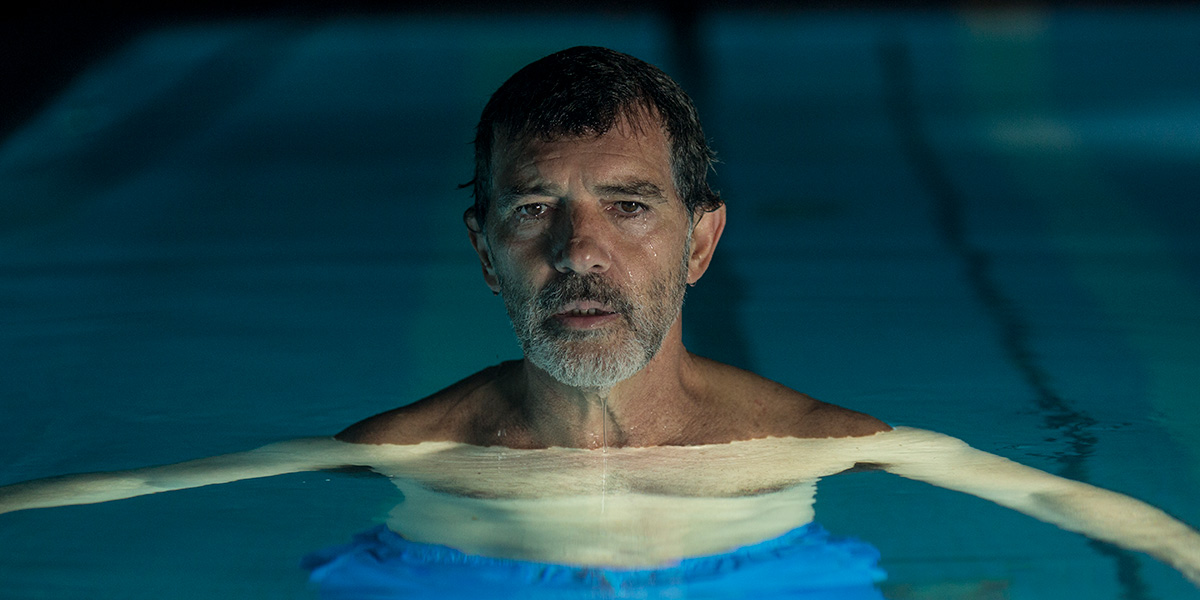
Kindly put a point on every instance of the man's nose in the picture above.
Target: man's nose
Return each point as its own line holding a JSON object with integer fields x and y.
{"x": 581, "y": 246}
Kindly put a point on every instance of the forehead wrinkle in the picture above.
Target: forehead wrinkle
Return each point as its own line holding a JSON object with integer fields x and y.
{"x": 605, "y": 171}
{"x": 516, "y": 170}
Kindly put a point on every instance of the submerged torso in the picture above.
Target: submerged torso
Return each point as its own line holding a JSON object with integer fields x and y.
{"x": 620, "y": 507}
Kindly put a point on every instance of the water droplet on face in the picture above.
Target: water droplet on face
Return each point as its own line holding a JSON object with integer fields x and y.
{"x": 604, "y": 422}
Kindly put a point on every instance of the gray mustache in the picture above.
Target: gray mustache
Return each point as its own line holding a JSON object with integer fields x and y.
{"x": 573, "y": 287}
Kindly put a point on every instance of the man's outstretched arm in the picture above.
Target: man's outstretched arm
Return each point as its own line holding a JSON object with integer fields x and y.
{"x": 1097, "y": 513}
{"x": 293, "y": 456}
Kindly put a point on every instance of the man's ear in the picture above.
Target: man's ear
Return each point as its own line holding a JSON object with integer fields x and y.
{"x": 705, "y": 235}
{"x": 479, "y": 242}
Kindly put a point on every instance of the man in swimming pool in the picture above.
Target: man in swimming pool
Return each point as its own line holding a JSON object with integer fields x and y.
{"x": 592, "y": 216}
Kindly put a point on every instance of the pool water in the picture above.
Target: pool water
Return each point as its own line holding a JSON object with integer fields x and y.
{"x": 229, "y": 233}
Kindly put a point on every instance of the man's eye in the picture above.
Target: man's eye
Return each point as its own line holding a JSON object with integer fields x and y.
{"x": 629, "y": 207}
{"x": 532, "y": 210}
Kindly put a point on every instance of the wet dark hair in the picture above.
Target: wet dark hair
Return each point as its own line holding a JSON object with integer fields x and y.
{"x": 585, "y": 91}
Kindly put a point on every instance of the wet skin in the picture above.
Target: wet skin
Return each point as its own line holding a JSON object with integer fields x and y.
{"x": 598, "y": 210}
{"x": 605, "y": 206}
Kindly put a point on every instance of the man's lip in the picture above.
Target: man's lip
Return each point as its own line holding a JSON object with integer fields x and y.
{"x": 585, "y": 314}
{"x": 582, "y": 308}
{"x": 585, "y": 321}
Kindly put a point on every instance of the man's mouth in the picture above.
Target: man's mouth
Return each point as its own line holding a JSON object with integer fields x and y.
{"x": 589, "y": 312}
{"x": 585, "y": 314}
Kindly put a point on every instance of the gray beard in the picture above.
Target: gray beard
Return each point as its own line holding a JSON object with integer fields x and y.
{"x": 594, "y": 359}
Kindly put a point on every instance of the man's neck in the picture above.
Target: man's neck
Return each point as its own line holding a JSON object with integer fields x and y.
{"x": 639, "y": 411}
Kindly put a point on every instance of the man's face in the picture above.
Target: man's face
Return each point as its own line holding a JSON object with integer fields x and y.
{"x": 588, "y": 243}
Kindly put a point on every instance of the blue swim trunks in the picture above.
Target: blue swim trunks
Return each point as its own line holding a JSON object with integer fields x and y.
{"x": 805, "y": 563}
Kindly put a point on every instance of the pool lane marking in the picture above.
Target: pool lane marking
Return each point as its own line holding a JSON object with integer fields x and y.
{"x": 1073, "y": 424}
{"x": 1149, "y": 296}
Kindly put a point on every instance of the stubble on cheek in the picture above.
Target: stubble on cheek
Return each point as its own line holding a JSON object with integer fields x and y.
{"x": 593, "y": 358}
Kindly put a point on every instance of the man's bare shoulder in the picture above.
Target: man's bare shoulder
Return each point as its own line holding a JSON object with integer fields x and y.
{"x": 447, "y": 415}
{"x": 769, "y": 408}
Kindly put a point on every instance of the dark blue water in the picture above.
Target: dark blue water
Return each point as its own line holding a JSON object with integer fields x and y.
{"x": 226, "y": 234}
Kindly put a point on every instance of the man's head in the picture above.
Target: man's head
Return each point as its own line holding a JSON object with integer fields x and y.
{"x": 586, "y": 91}
{"x": 589, "y": 237}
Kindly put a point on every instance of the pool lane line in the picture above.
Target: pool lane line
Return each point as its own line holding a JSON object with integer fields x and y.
{"x": 1071, "y": 424}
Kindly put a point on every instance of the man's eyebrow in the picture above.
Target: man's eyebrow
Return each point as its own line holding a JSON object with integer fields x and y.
{"x": 640, "y": 188}
{"x": 514, "y": 192}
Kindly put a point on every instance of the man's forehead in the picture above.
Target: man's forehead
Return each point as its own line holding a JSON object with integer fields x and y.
{"x": 642, "y": 148}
